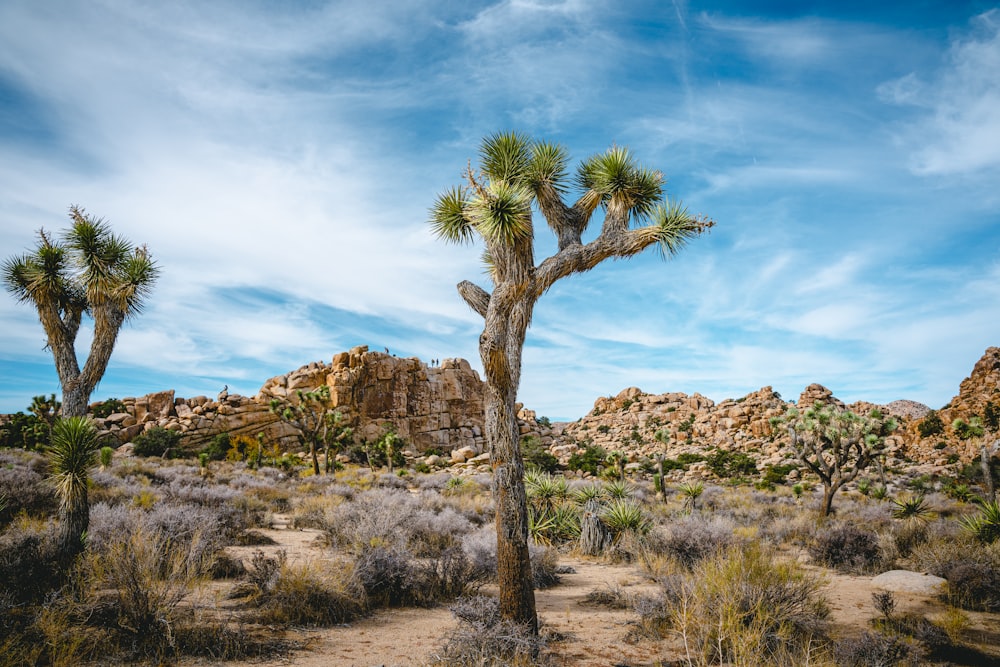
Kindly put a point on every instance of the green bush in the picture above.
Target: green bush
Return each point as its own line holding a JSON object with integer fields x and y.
{"x": 590, "y": 460}
{"x": 218, "y": 447}
{"x": 536, "y": 455}
{"x": 24, "y": 431}
{"x": 726, "y": 464}
{"x": 930, "y": 425}
{"x": 158, "y": 441}
{"x": 107, "y": 408}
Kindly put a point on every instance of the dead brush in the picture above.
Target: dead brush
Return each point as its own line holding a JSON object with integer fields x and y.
{"x": 309, "y": 595}
{"x": 483, "y": 639}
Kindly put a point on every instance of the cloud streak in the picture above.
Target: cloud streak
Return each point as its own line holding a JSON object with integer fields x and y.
{"x": 280, "y": 165}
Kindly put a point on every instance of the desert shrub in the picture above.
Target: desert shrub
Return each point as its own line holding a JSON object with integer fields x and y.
{"x": 875, "y": 649}
{"x": 740, "y": 607}
{"x": 208, "y": 638}
{"x": 690, "y": 539}
{"x": 394, "y": 518}
{"x": 591, "y": 460}
{"x": 25, "y": 490}
{"x": 304, "y": 595}
{"x": 217, "y": 447}
{"x": 726, "y": 464}
{"x": 28, "y": 562}
{"x": 387, "y": 576}
{"x": 24, "y": 431}
{"x": 930, "y": 425}
{"x": 484, "y": 639}
{"x": 537, "y": 456}
{"x": 916, "y": 626}
{"x": 847, "y": 548}
{"x": 107, "y": 408}
{"x": 390, "y": 481}
{"x": 973, "y": 585}
{"x": 157, "y": 441}
{"x": 147, "y": 573}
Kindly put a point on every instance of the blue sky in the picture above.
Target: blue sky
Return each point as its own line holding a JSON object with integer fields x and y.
{"x": 279, "y": 159}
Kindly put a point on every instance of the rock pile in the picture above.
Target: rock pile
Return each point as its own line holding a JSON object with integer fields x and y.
{"x": 441, "y": 407}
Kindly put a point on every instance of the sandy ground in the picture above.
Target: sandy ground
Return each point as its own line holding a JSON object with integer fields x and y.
{"x": 590, "y": 635}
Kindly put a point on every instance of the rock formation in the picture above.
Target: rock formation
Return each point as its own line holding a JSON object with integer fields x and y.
{"x": 441, "y": 407}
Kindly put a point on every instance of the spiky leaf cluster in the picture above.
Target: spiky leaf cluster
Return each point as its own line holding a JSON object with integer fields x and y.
{"x": 89, "y": 268}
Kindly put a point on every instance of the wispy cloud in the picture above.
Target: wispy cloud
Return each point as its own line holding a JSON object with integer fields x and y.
{"x": 280, "y": 163}
{"x": 957, "y": 130}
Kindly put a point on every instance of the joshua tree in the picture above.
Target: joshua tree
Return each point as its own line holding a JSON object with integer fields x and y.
{"x": 495, "y": 205}
{"x": 309, "y": 416}
{"x": 91, "y": 271}
{"x": 72, "y": 452}
{"x": 836, "y": 444}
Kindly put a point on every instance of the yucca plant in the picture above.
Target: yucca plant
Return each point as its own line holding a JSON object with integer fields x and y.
{"x": 545, "y": 491}
{"x": 984, "y": 526}
{"x": 72, "y": 452}
{"x": 618, "y": 489}
{"x": 540, "y": 526}
{"x": 911, "y": 508}
{"x": 691, "y": 491}
{"x": 567, "y": 522}
{"x": 584, "y": 494}
{"x": 624, "y": 515}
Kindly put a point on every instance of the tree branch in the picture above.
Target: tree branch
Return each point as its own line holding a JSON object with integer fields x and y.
{"x": 475, "y": 296}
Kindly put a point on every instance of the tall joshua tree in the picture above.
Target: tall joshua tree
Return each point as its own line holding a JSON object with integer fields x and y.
{"x": 495, "y": 205}
{"x": 90, "y": 271}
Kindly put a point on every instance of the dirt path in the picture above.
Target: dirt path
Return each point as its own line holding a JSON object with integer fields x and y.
{"x": 587, "y": 634}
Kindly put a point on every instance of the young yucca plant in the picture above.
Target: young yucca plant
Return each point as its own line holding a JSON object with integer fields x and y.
{"x": 691, "y": 491}
{"x": 911, "y": 508}
{"x": 545, "y": 491}
{"x": 618, "y": 489}
{"x": 984, "y": 526}
{"x": 72, "y": 452}
{"x": 584, "y": 494}
{"x": 624, "y": 515}
{"x": 540, "y": 526}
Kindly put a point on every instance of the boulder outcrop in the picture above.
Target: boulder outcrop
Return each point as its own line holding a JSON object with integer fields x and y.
{"x": 437, "y": 407}
{"x": 441, "y": 407}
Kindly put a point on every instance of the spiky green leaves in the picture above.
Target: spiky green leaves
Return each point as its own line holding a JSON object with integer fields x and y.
{"x": 72, "y": 452}
{"x": 506, "y": 156}
{"x": 90, "y": 267}
{"x": 672, "y": 227}
{"x": 502, "y": 213}
{"x": 448, "y": 217}
{"x": 616, "y": 174}
{"x": 548, "y": 167}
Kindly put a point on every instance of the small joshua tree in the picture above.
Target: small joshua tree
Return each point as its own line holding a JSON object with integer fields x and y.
{"x": 835, "y": 444}
{"x": 72, "y": 452}
{"x": 307, "y": 415}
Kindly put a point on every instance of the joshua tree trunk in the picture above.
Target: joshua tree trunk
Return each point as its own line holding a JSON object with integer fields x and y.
{"x": 989, "y": 488}
{"x": 74, "y": 520}
{"x": 500, "y": 348}
{"x": 829, "y": 491}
